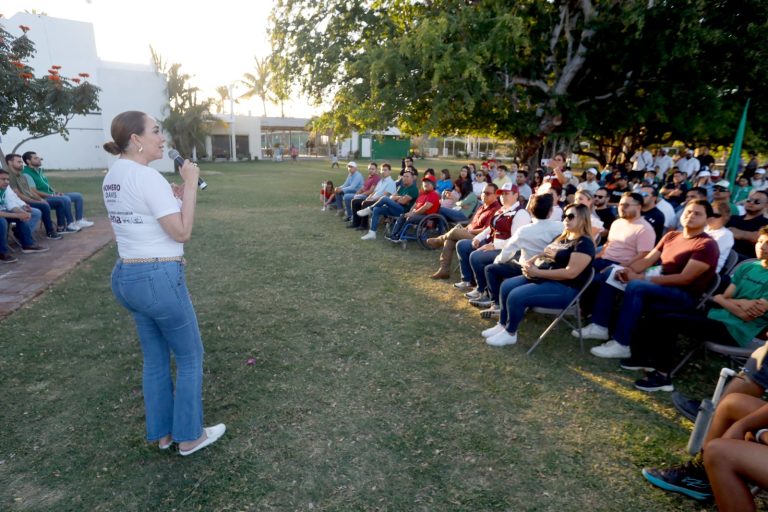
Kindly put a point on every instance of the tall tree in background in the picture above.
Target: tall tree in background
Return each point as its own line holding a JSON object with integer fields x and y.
{"x": 189, "y": 119}
{"x": 258, "y": 83}
{"x": 617, "y": 73}
{"x": 40, "y": 105}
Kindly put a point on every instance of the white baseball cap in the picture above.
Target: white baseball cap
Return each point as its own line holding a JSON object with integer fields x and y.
{"x": 760, "y": 171}
{"x": 723, "y": 183}
{"x": 704, "y": 174}
{"x": 352, "y": 164}
{"x": 592, "y": 170}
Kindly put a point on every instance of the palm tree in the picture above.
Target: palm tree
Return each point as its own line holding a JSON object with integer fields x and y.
{"x": 258, "y": 83}
{"x": 221, "y": 101}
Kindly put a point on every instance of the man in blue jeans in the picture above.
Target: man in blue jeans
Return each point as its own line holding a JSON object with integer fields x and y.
{"x": 392, "y": 206}
{"x": 12, "y": 209}
{"x": 688, "y": 260}
{"x": 21, "y": 188}
{"x": 351, "y": 185}
{"x": 38, "y": 182}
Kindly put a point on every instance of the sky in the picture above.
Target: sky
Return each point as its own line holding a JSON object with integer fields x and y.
{"x": 216, "y": 43}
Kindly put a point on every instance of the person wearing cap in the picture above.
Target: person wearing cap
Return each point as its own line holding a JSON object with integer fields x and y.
{"x": 621, "y": 186}
{"x": 689, "y": 165}
{"x": 704, "y": 180}
{"x": 427, "y": 203}
{"x": 758, "y": 180}
{"x": 590, "y": 183}
{"x": 392, "y": 206}
{"x": 662, "y": 163}
{"x": 476, "y": 254}
{"x": 721, "y": 192}
{"x": 351, "y": 185}
{"x": 369, "y": 185}
{"x": 745, "y": 227}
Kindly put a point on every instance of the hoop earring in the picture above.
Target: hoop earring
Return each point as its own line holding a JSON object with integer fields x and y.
{"x": 141, "y": 148}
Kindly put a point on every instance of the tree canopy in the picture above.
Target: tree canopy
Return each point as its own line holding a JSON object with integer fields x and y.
{"x": 614, "y": 73}
{"x": 43, "y": 105}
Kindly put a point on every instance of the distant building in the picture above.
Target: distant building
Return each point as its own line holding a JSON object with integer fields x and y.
{"x": 72, "y": 45}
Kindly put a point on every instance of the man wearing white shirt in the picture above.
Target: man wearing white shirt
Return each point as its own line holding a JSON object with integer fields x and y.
{"x": 13, "y": 209}
{"x": 641, "y": 160}
{"x": 384, "y": 188}
{"x": 591, "y": 184}
{"x": 662, "y": 163}
{"x": 689, "y": 165}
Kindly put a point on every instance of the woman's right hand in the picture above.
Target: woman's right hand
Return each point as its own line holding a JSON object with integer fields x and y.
{"x": 189, "y": 172}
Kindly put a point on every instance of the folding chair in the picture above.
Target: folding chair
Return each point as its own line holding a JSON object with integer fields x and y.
{"x": 572, "y": 309}
{"x": 730, "y": 263}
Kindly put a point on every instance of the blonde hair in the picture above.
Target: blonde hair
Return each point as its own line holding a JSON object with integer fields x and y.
{"x": 583, "y": 222}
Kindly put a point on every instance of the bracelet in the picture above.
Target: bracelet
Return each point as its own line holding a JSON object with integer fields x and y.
{"x": 760, "y": 433}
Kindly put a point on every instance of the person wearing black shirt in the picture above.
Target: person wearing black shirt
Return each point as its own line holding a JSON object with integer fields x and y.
{"x": 705, "y": 159}
{"x": 603, "y": 211}
{"x": 745, "y": 227}
{"x": 618, "y": 191}
{"x": 649, "y": 211}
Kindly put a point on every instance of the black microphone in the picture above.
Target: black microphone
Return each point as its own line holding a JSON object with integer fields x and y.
{"x": 176, "y": 157}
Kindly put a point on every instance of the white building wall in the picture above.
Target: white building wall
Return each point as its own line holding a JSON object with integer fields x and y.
{"x": 72, "y": 45}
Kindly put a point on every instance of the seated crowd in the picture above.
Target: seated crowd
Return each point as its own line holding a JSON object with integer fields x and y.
{"x": 27, "y": 199}
{"x": 653, "y": 246}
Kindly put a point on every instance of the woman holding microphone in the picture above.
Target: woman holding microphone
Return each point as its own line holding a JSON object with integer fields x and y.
{"x": 151, "y": 220}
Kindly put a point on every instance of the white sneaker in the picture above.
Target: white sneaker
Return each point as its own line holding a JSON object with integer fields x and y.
{"x": 73, "y": 227}
{"x": 463, "y": 286}
{"x": 493, "y": 331}
{"x": 212, "y": 435}
{"x": 611, "y": 349}
{"x": 323, "y": 209}
{"x": 502, "y": 339}
{"x": 364, "y": 212}
{"x": 82, "y": 223}
{"x": 474, "y": 294}
{"x": 371, "y": 235}
{"x": 592, "y": 332}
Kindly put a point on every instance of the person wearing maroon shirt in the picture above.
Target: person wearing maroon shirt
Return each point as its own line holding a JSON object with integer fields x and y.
{"x": 427, "y": 203}
{"x": 688, "y": 261}
{"x": 480, "y": 220}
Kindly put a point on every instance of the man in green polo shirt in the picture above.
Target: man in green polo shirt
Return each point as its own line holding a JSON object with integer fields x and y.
{"x": 38, "y": 182}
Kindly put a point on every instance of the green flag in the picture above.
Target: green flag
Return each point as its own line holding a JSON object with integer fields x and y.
{"x": 732, "y": 166}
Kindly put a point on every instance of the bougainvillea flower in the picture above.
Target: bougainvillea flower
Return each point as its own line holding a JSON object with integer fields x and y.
{"x": 84, "y": 75}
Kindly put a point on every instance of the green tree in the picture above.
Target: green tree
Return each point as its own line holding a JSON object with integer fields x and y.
{"x": 617, "y": 73}
{"x": 189, "y": 119}
{"x": 42, "y": 106}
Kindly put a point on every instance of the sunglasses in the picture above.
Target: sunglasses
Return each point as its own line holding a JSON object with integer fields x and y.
{"x": 601, "y": 197}
{"x": 719, "y": 189}
{"x": 717, "y": 215}
{"x": 570, "y": 216}
{"x": 754, "y": 201}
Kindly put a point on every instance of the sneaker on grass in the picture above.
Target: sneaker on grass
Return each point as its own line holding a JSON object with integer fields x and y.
{"x": 474, "y": 294}
{"x": 463, "y": 286}
{"x": 689, "y": 479}
{"x": 493, "y": 331}
{"x": 611, "y": 349}
{"x": 483, "y": 301}
{"x": 491, "y": 312}
{"x": 631, "y": 363}
{"x": 688, "y": 407}
{"x": 655, "y": 381}
{"x": 502, "y": 339}
{"x": 371, "y": 235}
{"x": 592, "y": 332}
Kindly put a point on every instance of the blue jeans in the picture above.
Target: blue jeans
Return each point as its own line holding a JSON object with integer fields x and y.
{"x": 347, "y": 200}
{"x": 63, "y": 207}
{"x": 157, "y": 297}
{"x": 519, "y": 294}
{"x": 496, "y": 274}
{"x": 463, "y": 250}
{"x": 478, "y": 260}
{"x": 385, "y": 207}
{"x": 21, "y": 230}
{"x": 453, "y": 215}
{"x": 637, "y": 296}
{"x": 35, "y": 220}
{"x": 45, "y": 211}
{"x": 77, "y": 199}
{"x": 401, "y": 225}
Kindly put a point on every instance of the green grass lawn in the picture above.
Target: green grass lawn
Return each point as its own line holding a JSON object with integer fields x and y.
{"x": 372, "y": 388}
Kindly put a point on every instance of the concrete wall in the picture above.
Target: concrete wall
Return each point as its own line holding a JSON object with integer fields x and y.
{"x": 72, "y": 45}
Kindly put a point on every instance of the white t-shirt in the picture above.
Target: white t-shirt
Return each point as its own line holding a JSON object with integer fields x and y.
{"x": 724, "y": 239}
{"x": 135, "y": 197}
